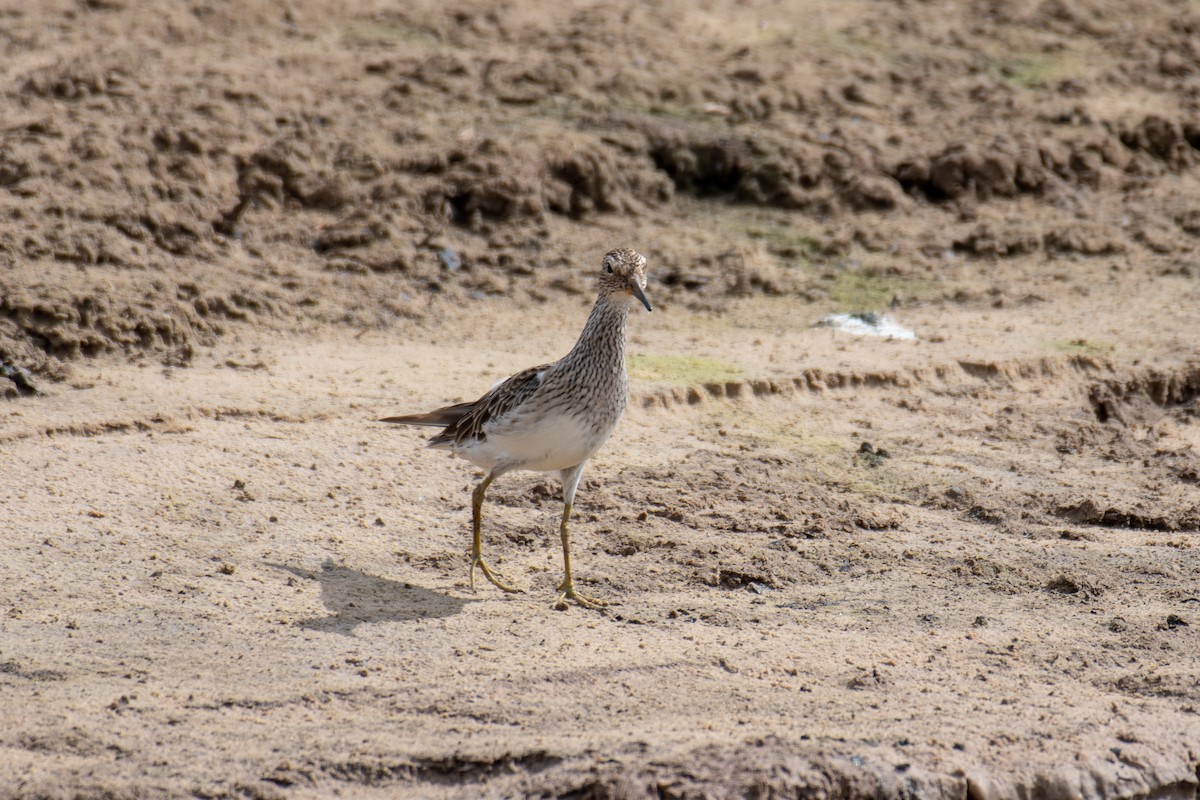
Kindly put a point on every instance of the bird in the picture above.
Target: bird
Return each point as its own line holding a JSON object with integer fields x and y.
{"x": 549, "y": 418}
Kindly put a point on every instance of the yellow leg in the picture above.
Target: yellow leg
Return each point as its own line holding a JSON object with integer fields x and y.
{"x": 567, "y": 587}
{"x": 477, "y": 542}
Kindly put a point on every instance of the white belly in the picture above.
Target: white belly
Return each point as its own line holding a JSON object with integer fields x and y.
{"x": 551, "y": 444}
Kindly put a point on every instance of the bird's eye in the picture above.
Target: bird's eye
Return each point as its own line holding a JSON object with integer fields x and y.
{"x": 608, "y": 268}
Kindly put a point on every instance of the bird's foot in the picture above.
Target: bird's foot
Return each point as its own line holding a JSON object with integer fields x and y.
{"x": 477, "y": 561}
{"x": 569, "y": 595}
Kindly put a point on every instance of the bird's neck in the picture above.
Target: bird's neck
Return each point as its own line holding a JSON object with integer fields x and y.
{"x": 603, "y": 337}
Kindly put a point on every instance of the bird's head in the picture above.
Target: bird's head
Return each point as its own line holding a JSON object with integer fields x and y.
{"x": 623, "y": 272}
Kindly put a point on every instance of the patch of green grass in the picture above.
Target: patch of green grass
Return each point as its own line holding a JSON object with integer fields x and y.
{"x": 386, "y": 32}
{"x": 683, "y": 370}
{"x": 1081, "y": 347}
{"x": 787, "y": 242}
{"x": 790, "y": 244}
{"x": 1035, "y": 70}
{"x": 861, "y": 291}
{"x": 833, "y": 461}
{"x": 824, "y": 444}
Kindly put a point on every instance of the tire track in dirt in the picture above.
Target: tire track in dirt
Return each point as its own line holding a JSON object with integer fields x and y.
{"x": 159, "y": 423}
{"x": 1169, "y": 387}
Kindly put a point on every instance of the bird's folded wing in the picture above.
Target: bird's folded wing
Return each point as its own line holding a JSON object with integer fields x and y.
{"x": 501, "y": 400}
{"x": 465, "y": 421}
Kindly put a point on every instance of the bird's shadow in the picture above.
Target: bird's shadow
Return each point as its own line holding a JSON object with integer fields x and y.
{"x": 353, "y": 597}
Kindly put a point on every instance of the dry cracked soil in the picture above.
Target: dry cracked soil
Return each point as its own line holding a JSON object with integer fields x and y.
{"x": 961, "y": 565}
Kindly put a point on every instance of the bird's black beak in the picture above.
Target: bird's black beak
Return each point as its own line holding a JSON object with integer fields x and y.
{"x": 640, "y": 295}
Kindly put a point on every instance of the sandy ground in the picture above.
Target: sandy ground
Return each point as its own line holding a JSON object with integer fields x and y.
{"x": 959, "y": 566}
{"x": 228, "y": 579}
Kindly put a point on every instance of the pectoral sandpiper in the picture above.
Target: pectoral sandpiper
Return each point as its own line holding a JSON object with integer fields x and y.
{"x": 550, "y": 418}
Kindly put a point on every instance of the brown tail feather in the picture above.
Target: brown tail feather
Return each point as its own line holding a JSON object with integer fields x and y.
{"x": 440, "y": 418}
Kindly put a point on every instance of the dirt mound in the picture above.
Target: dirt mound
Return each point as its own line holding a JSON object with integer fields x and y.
{"x": 436, "y": 147}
